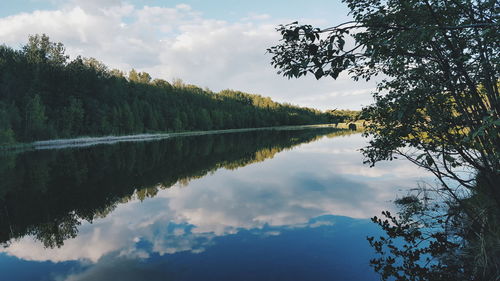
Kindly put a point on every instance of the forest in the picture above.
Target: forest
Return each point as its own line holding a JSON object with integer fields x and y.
{"x": 45, "y": 95}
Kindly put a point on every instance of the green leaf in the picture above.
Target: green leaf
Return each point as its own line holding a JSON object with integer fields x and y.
{"x": 341, "y": 43}
{"x": 429, "y": 160}
{"x": 319, "y": 73}
{"x": 449, "y": 158}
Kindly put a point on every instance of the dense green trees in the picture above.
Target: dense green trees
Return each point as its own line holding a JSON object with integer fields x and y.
{"x": 343, "y": 116}
{"x": 440, "y": 93}
{"x": 44, "y": 95}
{"x": 437, "y": 103}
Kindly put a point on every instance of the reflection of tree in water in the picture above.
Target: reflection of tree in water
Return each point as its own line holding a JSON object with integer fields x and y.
{"x": 423, "y": 240}
{"x": 47, "y": 194}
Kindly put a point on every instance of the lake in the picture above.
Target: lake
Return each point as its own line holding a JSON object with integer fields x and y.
{"x": 264, "y": 205}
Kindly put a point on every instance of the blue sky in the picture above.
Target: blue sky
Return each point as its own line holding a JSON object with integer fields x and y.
{"x": 230, "y": 10}
{"x": 215, "y": 44}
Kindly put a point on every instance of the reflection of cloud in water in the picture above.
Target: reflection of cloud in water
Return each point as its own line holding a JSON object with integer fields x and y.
{"x": 92, "y": 244}
{"x": 265, "y": 257}
{"x": 121, "y": 268}
{"x": 288, "y": 190}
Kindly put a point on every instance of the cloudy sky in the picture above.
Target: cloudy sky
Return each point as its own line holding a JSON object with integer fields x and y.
{"x": 219, "y": 44}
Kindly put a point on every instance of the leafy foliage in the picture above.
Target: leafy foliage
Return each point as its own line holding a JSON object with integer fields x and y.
{"x": 440, "y": 64}
{"x": 437, "y": 104}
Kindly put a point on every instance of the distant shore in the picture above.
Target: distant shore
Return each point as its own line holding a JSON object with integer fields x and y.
{"x": 89, "y": 141}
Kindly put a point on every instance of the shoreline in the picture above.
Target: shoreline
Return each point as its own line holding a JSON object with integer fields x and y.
{"x": 90, "y": 141}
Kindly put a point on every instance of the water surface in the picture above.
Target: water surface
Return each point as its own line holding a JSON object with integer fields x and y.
{"x": 267, "y": 205}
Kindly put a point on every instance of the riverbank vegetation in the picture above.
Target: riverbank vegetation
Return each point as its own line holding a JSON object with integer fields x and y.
{"x": 44, "y": 95}
{"x": 437, "y": 105}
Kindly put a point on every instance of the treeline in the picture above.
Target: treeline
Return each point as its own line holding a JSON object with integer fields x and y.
{"x": 343, "y": 115}
{"x": 44, "y": 95}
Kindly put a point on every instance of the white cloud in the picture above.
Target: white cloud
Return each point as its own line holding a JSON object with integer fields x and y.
{"x": 253, "y": 17}
{"x": 178, "y": 42}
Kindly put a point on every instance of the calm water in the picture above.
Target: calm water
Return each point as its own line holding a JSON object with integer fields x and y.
{"x": 275, "y": 205}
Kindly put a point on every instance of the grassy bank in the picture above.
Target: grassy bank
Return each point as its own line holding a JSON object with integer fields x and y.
{"x": 88, "y": 141}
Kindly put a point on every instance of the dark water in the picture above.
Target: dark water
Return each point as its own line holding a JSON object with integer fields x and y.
{"x": 267, "y": 205}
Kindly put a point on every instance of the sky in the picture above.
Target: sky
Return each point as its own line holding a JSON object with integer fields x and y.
{"x": 217, "y": 44}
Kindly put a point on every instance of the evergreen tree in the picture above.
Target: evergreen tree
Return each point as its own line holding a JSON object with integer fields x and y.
{"x": 43, "y": 96}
